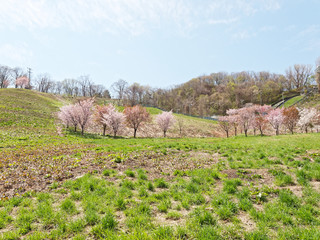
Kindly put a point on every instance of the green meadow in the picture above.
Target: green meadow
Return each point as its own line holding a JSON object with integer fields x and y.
{"x": 93, "y": 187}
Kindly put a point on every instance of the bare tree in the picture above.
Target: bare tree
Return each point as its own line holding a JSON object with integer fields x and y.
{"x": 86, "y": 86}
{"x": 180, "y": 122}
{"x": 57, "y": 88}
{"x": 96, "y": 90}
{"x": 119, "y": 88}
{"x": 133, "y": 94}
{"x": 106, "y": 94}
{"x": 299, "y": 75}
{"x": 70, "y": 87}
{"x": 5, "y": 76}
{"x": 44, "y": 83}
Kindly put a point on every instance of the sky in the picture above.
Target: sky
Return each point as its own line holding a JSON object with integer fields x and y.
{"x": 160, "y": 43}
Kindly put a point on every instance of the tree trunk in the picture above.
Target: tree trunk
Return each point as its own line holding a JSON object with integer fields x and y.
{"x": 246, "y": 132}
{"x": 75, "y": 128}
{"x": 277, "y": 131}
{"x": 261, "y": 133}
{"x": 164, "y": 133}
{"x": 104, "y": 130}
{"x": 235, "y": 131}
{"x": 227, "y": 133}
{"x": 135, "y": 133}
{"x": 82, "y": 130}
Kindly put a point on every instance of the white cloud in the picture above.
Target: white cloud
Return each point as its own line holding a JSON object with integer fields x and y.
{"x": 243, "y": 35}
{"x": 15, "y": 53}
{"x": 267, "y": 28}
{"x": 126, "y": 16}
{"x": 222, "y": 21}
{"x": 307, "y": 39}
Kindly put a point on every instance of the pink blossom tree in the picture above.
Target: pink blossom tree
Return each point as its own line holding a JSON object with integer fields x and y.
{"x": 22, "y": 82}
{"x": 291, "y": 118}
{"x": 233, "y": 119}
{"x": 307, "y": 118}
{"x": 113, "y": 119}
{"x": 165, "y": 120}
{"x": 5, "y": 83}
{"x": 259, "y": 120}
{"x": 68, "y": 116}
{"x": 275, "y": 118}
{"x": 246, "y": 114}
{"x": 135, "y": 116}
{"x": 99, "y": 117}
{"x": 83, "y": 111}
{"x": 224, "y": 123}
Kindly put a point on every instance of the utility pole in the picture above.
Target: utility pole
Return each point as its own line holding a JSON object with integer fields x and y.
{"x": 29, "y": 76}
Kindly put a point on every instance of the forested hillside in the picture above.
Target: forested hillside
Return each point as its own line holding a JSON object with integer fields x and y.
{"x": 217, "y": 92}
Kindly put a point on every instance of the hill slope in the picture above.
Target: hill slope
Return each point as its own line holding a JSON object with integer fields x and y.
{"x": 25, "y": 111}
{"x": 22, "y": 108}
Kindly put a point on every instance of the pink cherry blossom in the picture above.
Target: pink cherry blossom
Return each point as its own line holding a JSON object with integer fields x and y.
{"x": 22, "y": 82}
{"x": 275, "y": 118}
{"x": 307, "y": 118}
{"x": 135, "y": 116}
{"x": 113, "y": 119}
{"x": 165, "y": 120}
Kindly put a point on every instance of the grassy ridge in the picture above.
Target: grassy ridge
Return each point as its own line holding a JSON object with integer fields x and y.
{"x": 292, "y": 101}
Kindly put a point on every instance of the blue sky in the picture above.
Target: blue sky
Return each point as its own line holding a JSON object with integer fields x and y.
{"x": 159, "y": 43}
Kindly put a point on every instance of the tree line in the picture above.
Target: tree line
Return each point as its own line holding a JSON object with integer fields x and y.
{"x": 205, "y": 95}
{"x": 84, "y": 113}
{"x": 82, "y": 86}
{"x": 214, "y": 94}
{"x": 259, "y": 118}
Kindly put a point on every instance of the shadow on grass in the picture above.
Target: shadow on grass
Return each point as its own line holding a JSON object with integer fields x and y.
{"x": 92, "y": 135}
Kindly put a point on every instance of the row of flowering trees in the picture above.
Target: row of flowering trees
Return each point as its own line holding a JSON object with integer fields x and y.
{"x": 258, "y": 117}
{"x": 84, "y": 112}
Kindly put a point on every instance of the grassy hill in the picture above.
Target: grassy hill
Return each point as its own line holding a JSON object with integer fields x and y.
{"x": 311, "y": 101}
{"x": 302, "y": 101}
{"x": 94, "y": 187}
{"x": 30, "y": 111}
{"x": 293, "y": 101}
{"x": 20, "y": 108}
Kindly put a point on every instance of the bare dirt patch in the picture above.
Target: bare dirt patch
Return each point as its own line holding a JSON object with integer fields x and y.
{"x": 315, "y": 185}
{"x": 34, "y": 169}
{"x": 247, "y": 223}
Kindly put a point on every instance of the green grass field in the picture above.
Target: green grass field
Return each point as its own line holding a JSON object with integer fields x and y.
{"x": 94, "y": 187}
{"x": 292, "y": 101}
